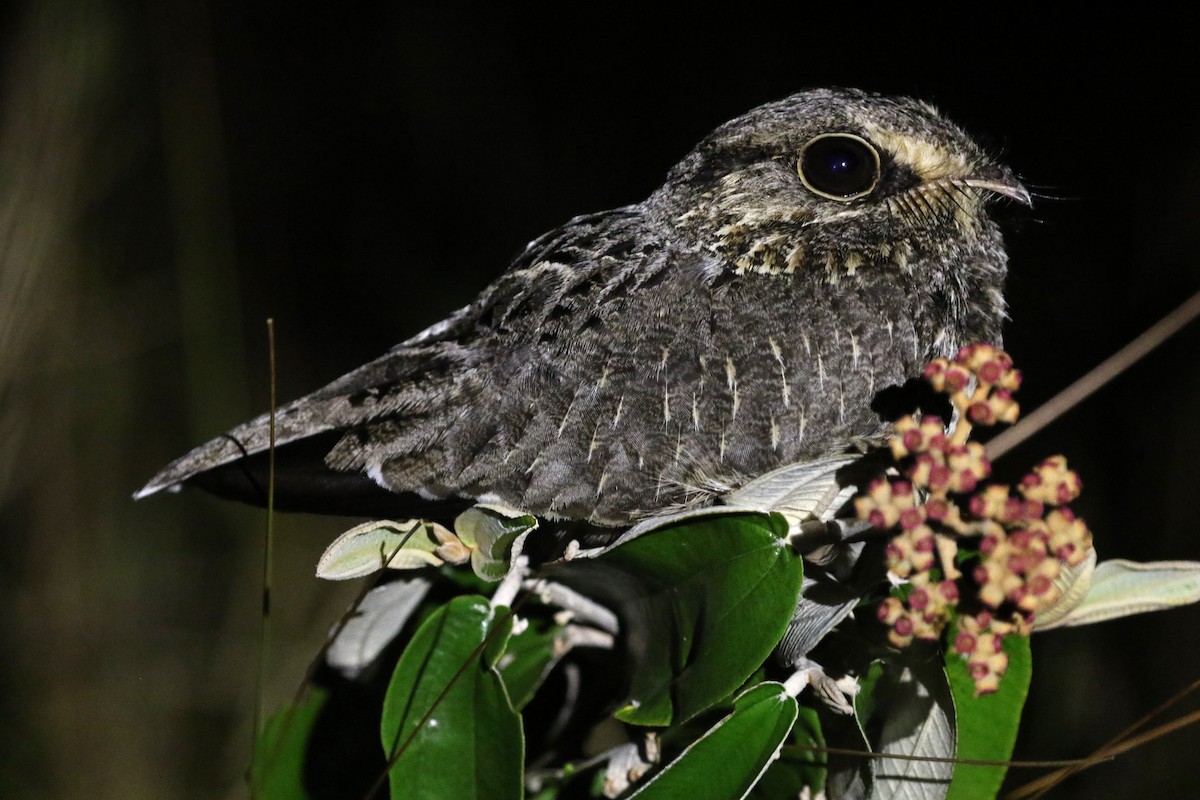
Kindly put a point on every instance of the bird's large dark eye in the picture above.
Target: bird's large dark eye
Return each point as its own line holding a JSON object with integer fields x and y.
{"x": 839, "y": 166}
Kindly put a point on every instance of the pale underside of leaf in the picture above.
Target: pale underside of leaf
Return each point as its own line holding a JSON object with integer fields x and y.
{"x": 1073, "y": 583}
{"x": 369, "y": 547}
{"x": 918, "y": 721}
{"x": 376, "y": 621}
{"x": 1119, "y": 588}
{"x": 800, "y": 492}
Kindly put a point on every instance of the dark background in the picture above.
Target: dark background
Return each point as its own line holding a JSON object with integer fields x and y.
{"x": 173, "y": 174}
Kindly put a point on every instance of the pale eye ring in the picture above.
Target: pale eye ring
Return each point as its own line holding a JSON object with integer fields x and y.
{"x": 839, "y": 166}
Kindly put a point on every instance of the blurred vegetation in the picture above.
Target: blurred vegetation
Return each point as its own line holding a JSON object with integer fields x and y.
{"x": 172, "y": 173}
{"x": 130, "y": 630}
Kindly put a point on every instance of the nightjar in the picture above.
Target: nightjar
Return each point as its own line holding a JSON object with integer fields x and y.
{"x": 802, "y": 258}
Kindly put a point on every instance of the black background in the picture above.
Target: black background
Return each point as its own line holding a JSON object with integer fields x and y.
{"x": 358, "y": 172}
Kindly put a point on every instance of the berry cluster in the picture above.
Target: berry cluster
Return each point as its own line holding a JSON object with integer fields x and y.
{"x": 1024, "y": 537}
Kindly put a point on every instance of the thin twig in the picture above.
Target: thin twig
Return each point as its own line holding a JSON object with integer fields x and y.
{"x": 581, "y": 607}
{"x": 1038, "y": 788}
{"x": 385, "y": 561}
{"x": 1083, "y": 388}
{"x": 311, "y": 671}
{"x": 264, "y": 641}
{"x": 1114, "y": 746}
{"x": 797, "y": 749}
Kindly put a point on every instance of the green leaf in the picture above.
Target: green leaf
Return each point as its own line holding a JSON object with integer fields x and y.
{"x": 729, "y": 759}
{"x": 501, "y": 634}
{"x": 527, "y": 660}
{"x": 812, "y": 765}
{"x": 547, "y": 792}
{"x": 703, "y": 604}
{"x": 864, "y": 701}
{"x": 797, "y": 768}
{"x": 471, "y": 744}
{"x": 987, "y": 725}
{"x": 492, "y": 532}
{"x": 278, "y": 768}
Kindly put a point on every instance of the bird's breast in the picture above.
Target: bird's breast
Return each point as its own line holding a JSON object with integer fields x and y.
{"x": 688, "y": 393}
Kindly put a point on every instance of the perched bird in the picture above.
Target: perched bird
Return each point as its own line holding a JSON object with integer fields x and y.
{"x": 802, "y": 258}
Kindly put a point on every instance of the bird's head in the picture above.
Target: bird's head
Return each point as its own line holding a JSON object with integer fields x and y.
{"x": 847, "y": 186}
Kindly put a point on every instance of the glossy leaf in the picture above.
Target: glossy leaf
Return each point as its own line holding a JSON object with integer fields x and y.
{"x": 987, "y": 725}
{"x": 729, "y": 759}
{"x": 471, "y": 744}
{"x": 528, "y": 658}
{"x": 278, "y": 769}
{"x": 703, "y": 604}
{"x": 798, "y": 768}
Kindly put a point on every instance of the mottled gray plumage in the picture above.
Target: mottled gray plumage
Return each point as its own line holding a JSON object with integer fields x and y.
{"x": 661, "y": 354}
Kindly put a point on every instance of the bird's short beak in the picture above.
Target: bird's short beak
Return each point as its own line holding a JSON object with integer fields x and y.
{"x": 1002, "y": 182}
